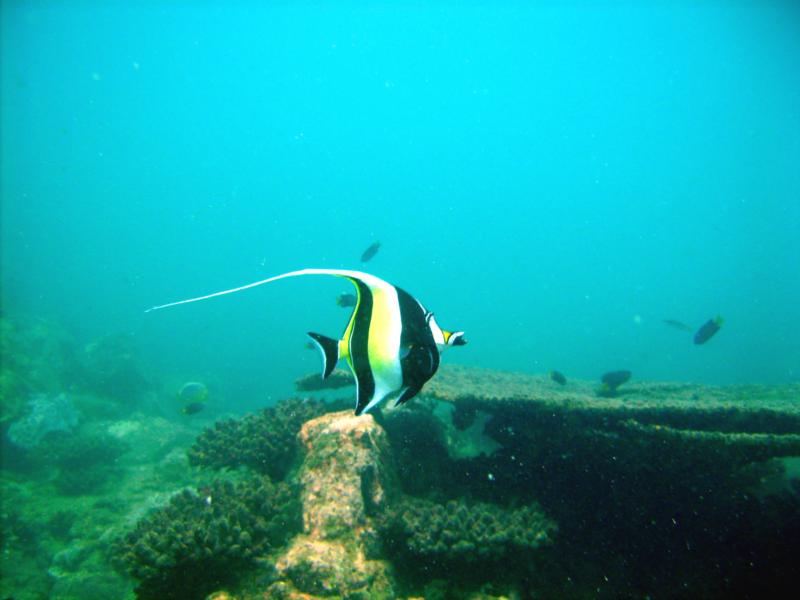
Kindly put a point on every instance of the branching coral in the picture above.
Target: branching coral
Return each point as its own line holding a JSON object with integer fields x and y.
{"x": 463, "y": 533}
{"x": 264, "y": 442}
{"x": 199, "y": 542}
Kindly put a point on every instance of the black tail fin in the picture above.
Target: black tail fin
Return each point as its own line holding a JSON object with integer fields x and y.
{"x": 330, "y": 352}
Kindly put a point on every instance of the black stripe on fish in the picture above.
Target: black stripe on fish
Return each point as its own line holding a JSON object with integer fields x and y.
{"x": 358, "y": 345}
{"x": 419, "y": 354}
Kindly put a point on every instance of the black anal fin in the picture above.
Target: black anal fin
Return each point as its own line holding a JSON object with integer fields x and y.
{"x": 330, "y": 352}
{"x": 408, "y": 394}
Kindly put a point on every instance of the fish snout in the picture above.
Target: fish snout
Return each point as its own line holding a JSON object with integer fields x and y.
{"x": 457, "y": 339}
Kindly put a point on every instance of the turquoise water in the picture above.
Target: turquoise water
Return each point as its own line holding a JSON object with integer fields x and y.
{"x": 553, "y": 179}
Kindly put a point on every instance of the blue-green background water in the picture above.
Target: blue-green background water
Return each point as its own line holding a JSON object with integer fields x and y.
{"x": 555, "y": 179}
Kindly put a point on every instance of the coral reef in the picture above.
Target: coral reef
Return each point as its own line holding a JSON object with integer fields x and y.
{"x": 346, "y": 477}
{"x": 198, "y": 543}
{"x": 455, "y": 495}
{"x": 264, "y": 442}
{"x": 459, "y": 535}
{"x": 644, "y": 485}
{"x": 47, "y": 414}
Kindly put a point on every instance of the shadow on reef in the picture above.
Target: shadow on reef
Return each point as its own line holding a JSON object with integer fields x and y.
{"x": 640, "y": 512}
{"x": 451, "y": 533}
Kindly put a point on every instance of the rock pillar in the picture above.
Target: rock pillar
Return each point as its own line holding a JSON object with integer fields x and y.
{"x": 346, "y": 476}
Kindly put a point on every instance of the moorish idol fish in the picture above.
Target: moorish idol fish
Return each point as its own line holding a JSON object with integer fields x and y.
{"x": 392, "y": 342}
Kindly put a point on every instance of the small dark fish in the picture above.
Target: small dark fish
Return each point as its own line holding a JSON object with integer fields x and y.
{"x": 310, "y": 346}
{"x": 708, "y": 330}
{"x": 371, "y": 251}
{"x": 677, "y": 324}
{"x": 613, "y": 379}
{"x": 558, "y": 377}
{"x": 346, "y": 300}
{"x": 193, "y": 408}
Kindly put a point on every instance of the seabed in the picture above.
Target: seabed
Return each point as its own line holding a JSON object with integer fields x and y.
{"x": 489, "y": 485}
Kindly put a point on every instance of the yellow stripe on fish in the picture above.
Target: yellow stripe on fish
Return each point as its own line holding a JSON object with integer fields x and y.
{"x": 391, "y": 342}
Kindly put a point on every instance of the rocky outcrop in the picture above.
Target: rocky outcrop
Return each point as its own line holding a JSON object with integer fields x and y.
{"x": 347, "y": 477}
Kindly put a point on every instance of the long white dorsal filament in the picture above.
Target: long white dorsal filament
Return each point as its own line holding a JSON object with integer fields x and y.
{"x": 337, "y": 272}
